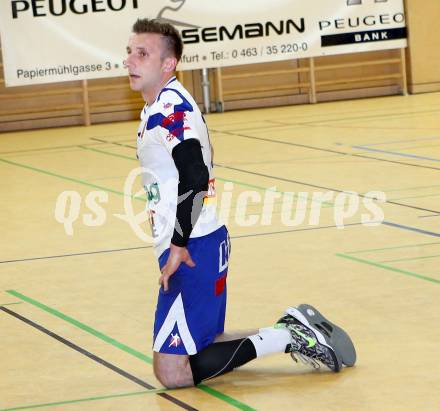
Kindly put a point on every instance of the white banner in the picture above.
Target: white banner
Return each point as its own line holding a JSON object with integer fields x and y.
{"x": 47, "y": 41}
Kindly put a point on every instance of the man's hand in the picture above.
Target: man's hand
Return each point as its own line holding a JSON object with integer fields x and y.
{"x": 177, "y": 256}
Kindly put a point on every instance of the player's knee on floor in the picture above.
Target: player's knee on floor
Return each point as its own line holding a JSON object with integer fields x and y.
{"x": 173, "y": 372}
{"x": 175, "y": 379}
{"x": 170, "y": 381}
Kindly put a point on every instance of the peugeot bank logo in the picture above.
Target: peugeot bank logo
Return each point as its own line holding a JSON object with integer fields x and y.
{"x": 355, "y": 2}
{"x": 174, "y": 7}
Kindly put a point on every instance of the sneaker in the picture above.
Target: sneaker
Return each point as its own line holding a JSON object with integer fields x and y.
{"x": 315, "y": 340}
{"x": 333, "y": 335}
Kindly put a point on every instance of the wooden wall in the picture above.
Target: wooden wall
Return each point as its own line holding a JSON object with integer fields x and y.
{"x": 423, "y": 19}
{"x": 311, "y": 80}
{"x": 73, "y": 103}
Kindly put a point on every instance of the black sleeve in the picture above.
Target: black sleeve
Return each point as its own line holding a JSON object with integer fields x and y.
{"x": 193, "y": 184}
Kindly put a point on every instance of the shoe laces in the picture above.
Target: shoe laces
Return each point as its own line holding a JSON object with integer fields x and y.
{"x": 308, "y": 360}
{"x": 298, "y": 347}
{"x": 299, "y": 350}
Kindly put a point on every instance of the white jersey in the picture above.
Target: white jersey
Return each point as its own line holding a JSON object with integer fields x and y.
{"x": 173, "y": 117}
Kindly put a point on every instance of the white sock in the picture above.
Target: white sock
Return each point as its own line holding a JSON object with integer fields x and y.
{"x": 270, "y": 340}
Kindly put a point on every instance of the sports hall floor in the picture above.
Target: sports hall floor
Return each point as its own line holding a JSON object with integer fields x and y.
{"x": 76, "y": 311}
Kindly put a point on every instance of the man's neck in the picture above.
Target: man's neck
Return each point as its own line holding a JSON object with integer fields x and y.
{"x": 150, "y": 96}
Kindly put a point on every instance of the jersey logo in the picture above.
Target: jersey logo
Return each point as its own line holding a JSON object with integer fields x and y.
{"x": 166, "y": 106}
{"x": 175, "y": 340}
{"x": 210, "y": 194}
{"x": 211, "y": 188}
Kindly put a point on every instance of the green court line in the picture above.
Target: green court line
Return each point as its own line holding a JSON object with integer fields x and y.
{"x": 85, "y": 183}
{"x": 387, "y": 267}
{"x": 410, "y": 259}
{"x": 4, "y": 305}
{"x": 109, "y": 190}
{"x": 45, "y": 153}
{"x": 104, "y": 397}
{"x": 235, "y": 403}
{"x": 231, "y": 401}
{"x": 82, "y": 326}
{"x": 325, "y": 203}
{"x": 74, "y": 180}
{"x": 109, "y": 153}
{"x": 390, "y": 248}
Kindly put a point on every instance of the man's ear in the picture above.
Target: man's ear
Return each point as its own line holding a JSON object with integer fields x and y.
{"x": 169, "y": 64}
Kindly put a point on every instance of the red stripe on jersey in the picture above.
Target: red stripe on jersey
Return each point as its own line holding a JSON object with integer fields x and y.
{"x": 173, "y": 118}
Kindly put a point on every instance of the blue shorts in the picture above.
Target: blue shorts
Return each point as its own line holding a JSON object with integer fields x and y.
{"x": 192, "y": 312}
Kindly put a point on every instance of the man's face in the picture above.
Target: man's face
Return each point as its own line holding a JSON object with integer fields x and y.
{"x": 144, "y": 61}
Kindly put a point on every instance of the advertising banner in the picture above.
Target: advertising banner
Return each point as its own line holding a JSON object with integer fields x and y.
{"x": 47, "y": 41}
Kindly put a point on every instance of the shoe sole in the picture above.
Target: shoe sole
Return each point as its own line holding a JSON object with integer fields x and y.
{"x": 338, "y": 339}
